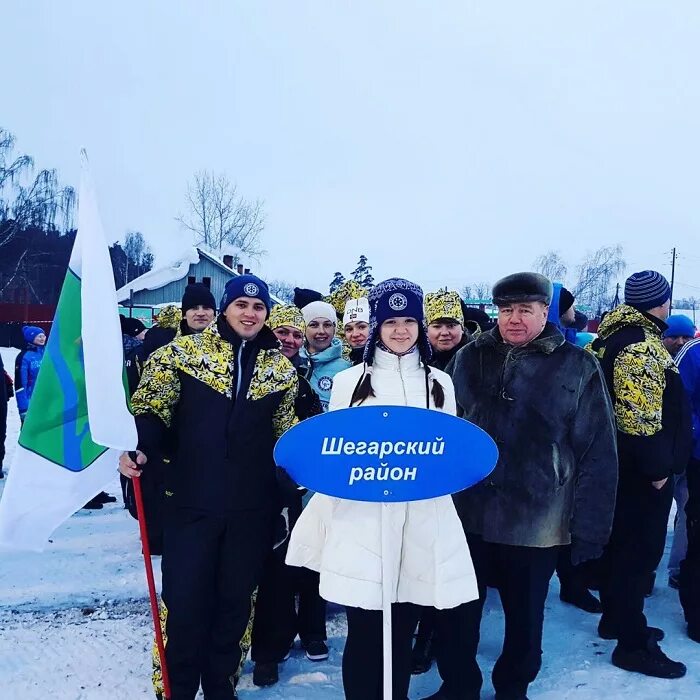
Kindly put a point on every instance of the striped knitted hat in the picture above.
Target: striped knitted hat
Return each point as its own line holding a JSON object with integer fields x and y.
{"x": 646, "y": 290}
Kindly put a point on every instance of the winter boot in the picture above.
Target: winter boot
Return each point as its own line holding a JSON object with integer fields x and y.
{"x": 2, "y": 473}
{"x": 650, "y": 582}
{"x": 265, "y": 674}
{"x": 93, "y": 504}
{"x": 650, "y": 661}
{"x": 316, "y": 650}
{"x": 580, "y": 597}
{"x": 422, "y": 656}
{"x": 103, "y": 497}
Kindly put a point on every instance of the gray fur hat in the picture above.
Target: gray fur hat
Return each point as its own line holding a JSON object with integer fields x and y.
{"x": 522, "y": 287}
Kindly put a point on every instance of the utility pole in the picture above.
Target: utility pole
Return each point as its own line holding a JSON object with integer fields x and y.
{"x": 673, "y": 274}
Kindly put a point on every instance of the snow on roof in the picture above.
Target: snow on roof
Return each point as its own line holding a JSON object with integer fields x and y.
{"x": 176, "y": 270}
{"x": 154, "y": 279}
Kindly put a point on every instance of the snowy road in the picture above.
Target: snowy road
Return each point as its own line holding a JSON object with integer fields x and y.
{"x": 74, "y": 625}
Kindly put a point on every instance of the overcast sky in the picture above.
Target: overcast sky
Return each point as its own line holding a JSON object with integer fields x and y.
{"x": 450, "y": 141}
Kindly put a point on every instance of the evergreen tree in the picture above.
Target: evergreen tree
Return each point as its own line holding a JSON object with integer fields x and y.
{"x": 337, "y": 280}
{"x": 363, "y": 273}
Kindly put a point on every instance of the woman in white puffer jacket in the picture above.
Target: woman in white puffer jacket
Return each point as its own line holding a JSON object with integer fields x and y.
{"x": 342, "y": 539}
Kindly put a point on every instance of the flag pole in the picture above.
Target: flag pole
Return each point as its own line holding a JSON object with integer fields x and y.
{"x": 387, "y": 597}
{"x": 151, "y": 584}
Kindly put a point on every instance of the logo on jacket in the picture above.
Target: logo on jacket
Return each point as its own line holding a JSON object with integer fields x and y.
{"x": 325, "y": 383}
{"x": 398, "y": 302}
{"x": 251, "y": 290}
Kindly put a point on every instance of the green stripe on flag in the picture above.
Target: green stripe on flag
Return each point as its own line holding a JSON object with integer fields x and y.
{"x": 57, "y": 426}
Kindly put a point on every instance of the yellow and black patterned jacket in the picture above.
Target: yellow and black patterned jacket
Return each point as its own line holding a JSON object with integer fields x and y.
{"x": 226, "y": 402}
{"x": 651, "y": 408}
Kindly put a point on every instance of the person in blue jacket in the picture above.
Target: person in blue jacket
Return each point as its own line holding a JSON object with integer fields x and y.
{"x": 688, "y": 361}
{"x": 4, "y": 398}
{"x": 27, "y": 367}
{"x": 323, "y": 349}
{"x": 562, "y": 312}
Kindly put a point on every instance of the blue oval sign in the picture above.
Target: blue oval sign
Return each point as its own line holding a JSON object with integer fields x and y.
{"x": 386, "y": 453}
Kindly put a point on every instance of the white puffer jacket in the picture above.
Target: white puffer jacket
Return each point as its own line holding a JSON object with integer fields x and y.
{"x": 342, "y": 539}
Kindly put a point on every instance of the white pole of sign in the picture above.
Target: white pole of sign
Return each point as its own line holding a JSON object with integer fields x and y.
{"x": 387, "y": 596}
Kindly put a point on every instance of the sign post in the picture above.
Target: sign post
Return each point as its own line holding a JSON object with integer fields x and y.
{"x": 386, "y": 454}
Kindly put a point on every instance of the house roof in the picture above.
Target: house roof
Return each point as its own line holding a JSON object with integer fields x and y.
{"x": 174, "y": 271}
{"x": 155, "y": 279}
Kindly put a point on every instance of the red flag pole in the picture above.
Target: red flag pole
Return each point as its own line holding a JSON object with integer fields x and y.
{"x": 151, "y": 586}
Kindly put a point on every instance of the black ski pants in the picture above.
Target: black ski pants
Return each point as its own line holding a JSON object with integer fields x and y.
{"x": 363, "y": 659}
{"x": 277, "y": 621}
{"x": 521, "y": 575}
{"x": 635, "y": 549}
{"x": 211, "y": 567}
{"x": 3, "y": 414}
{"x": 690, "y": 566}
{"x": 426, "y": 625}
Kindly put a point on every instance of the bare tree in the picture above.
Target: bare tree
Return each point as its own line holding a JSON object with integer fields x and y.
{"x": 282, "y": 289}
{"x": 139, "y": 258}
{"x": 221, "y": 219}
{"x": 482, "y": 290}
{"x": 551, "y": 266}
{"x": 596, "y": 276}
{"x": 476, "y": 290}
{"x": 26, "y": 202}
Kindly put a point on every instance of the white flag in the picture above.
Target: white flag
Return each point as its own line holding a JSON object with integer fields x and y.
{"x": 78, "y": 420}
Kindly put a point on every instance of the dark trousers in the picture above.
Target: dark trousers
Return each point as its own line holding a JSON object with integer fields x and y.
{"x": 635, "y": 549}
{"x": 211, "y": 566}
{"x": 521, "y": 575}
{"x": 426, "y": 625}
{"x": 277, "y": 621}
{"x": 690, "y": 566}
{"x": 363, "y": 660}
{"x": 3, "y": 421}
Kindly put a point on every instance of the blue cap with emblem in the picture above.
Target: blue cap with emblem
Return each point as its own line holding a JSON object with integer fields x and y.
{"x": 245, "y": 286}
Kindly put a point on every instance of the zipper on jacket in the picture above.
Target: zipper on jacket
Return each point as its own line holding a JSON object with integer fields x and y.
{"x": 403, "y": 384}
{"x": 239, "y": 363}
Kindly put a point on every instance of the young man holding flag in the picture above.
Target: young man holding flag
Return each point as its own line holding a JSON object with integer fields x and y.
{"x": 226, "y": 394}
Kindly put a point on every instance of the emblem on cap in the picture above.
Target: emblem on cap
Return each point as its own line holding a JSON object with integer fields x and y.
{"x": 251, "y": 290}
{"x": 398, "y": 302}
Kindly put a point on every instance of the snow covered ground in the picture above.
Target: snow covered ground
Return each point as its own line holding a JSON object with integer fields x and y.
{"x": 74, "y": 625}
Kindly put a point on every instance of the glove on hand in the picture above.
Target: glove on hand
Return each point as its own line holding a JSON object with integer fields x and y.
{"x": 581, "y": 551}
{"x": 288, "y": 487}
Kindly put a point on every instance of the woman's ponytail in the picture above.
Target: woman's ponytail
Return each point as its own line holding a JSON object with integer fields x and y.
{"x": 437, "y": 392}
{"x": 363, "y": 390}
